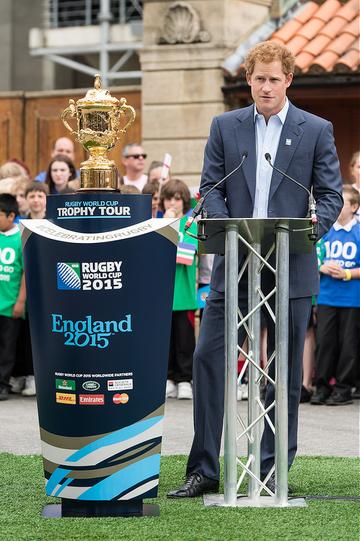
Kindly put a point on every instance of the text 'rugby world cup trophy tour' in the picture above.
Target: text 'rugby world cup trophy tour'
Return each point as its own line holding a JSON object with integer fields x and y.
{"x": 100, "y": 336}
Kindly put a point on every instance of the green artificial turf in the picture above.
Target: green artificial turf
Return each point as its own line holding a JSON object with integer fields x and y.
{"x": 22, "y": 498}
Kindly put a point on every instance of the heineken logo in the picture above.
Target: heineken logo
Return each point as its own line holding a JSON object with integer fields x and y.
{"x": 65, "y": 384}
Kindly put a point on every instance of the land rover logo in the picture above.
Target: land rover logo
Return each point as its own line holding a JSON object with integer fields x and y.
{"x": 91, "y": 385}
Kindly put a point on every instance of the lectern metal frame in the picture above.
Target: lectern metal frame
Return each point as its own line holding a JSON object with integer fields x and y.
{"x": 255, "y": 237}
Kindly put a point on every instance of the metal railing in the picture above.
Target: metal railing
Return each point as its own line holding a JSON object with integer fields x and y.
{"x": 65, "y": 13}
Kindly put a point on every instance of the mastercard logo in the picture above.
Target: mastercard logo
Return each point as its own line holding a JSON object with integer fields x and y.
{"x": 120, "y": 398}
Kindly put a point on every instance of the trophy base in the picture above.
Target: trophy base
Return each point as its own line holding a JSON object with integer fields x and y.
{"x": 98, "y": 179}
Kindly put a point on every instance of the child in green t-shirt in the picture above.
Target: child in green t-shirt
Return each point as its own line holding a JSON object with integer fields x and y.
{"x": 12, "y": 289}
{"x": 175, "y": 203}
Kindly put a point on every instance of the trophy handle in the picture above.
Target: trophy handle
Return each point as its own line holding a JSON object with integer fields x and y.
{"x": 128, "y": 111}
{"x": 70, "y": 110}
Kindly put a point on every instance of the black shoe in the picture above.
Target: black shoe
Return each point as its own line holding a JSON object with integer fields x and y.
{"x": 4, "y": 393}
{"x": 338, "y": 399}
{"x": 305, "y": 395}
{"x": 356, "y": 393}
{"x": 271, "y": 485}
{"x": 196, "y": 484}
{"x": 320, "y": 397}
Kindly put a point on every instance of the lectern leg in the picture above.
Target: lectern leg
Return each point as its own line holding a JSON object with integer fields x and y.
{"x": 282, "y": 341}
{"x": 231, "y": 356}
{"x": 254, "y": 281}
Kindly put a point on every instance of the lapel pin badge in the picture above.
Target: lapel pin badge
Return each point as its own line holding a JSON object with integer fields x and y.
{"x": 288, "y": 142}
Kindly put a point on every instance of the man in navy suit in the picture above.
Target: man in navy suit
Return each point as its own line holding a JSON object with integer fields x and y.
{"x": 302, "y": 145}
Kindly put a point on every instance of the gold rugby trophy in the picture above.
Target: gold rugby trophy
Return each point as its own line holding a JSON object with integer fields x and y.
{"x": 101, "y": 120}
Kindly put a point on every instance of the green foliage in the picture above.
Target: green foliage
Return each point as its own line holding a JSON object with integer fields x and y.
{"x": 22, "y": 498}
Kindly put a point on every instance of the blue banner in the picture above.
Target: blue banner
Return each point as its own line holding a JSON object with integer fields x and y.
{"x": 100, "y": 314}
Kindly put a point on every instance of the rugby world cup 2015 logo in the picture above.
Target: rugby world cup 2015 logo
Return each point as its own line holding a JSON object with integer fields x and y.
{"x": 68, "y": 276}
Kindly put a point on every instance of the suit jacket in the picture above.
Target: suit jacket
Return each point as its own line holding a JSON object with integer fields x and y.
{"x": 311, "y": 159}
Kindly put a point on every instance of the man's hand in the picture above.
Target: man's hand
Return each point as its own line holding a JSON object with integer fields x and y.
{"x": 18, "y": 309}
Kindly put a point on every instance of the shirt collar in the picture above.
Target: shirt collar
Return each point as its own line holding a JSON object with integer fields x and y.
{"x": 347, "y": 227}
{"x": 11, "y": 231}
{"x": 281, "y": 114}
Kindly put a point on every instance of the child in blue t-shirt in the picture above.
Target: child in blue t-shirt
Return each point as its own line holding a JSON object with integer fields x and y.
{"x": 338, "y": 306}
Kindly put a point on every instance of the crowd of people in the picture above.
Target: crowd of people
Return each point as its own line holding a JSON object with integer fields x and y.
{"x": 331, "y": 366}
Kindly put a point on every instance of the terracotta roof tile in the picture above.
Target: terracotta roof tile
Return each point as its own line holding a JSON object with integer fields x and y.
{"x": 296, "y": 44}
{"x": 306, "y": 12}
{"x": 322, "y": 37}
{"x": 353, "y": 27}
{"x": 334, "y": 26}
{"x": 317, "y": 45}
{"x": 356, "y": 45}
{"x": 288, "y": 30}
{"x": 303, "y": 60}
{"x": 326, "y": 60}
{"x": 327, "y": 10}
{"x": 349, "y": 10}
{"x": 341, "y": 44}
{"x": 278, "y": 40}
{"x": 348, "y": 61}
{"x": 311, "y": 29}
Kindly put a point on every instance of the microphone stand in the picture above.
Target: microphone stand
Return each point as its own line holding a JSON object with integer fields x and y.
{"x": 200, "y": 206}
{"x": 313, "y": 236}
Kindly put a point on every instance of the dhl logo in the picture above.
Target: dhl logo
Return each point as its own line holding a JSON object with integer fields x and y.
{"x": 66, "y": 398}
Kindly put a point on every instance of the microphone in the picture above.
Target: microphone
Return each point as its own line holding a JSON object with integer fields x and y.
{"x": 312, "y": 203}
{"x": 200, "y": 205}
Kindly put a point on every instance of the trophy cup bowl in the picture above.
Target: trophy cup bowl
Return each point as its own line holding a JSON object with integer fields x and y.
{"x": 99, "y": 118}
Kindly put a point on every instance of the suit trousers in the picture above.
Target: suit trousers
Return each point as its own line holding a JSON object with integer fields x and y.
{"x": 209, "y": 383}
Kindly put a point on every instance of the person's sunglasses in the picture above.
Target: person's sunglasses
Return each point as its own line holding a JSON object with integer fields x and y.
{"x": 137, "y": 156}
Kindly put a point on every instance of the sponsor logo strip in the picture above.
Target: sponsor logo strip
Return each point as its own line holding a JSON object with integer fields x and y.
{"x": 65, "y": 398}
{"x": 65, "y": 384}
{"x": 119, "y": 384}
{"x": 122, "y": 398}
{"x": 91, "y": 385}
{"x": 91, "y": 399}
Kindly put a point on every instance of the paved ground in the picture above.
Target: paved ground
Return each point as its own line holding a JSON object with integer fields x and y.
{"x": 323, "y": 430}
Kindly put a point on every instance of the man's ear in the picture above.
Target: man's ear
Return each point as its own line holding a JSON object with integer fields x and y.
{"x": 289, "y": 79}
{"x": 248, "y": 78}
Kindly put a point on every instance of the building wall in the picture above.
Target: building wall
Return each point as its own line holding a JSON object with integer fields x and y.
{"x": 182, "y": 73}
{"x": 19, "y": 71}
{"x": 24, "y": 72}
{"x": 5, "y": 44}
